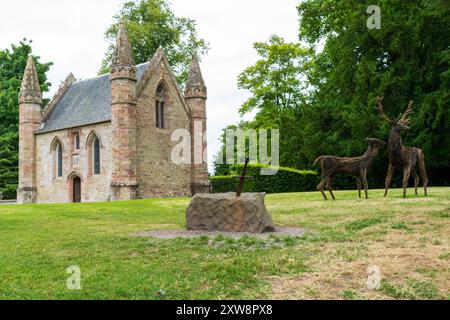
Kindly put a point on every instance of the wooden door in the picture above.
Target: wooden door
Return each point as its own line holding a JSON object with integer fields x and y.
{"x": 76, "y": 189}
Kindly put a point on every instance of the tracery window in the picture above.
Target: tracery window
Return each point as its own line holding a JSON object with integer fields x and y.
{"x": 159, "y": 106}
{"x": 96, "y": 155}
{"x": 58, "y": 159}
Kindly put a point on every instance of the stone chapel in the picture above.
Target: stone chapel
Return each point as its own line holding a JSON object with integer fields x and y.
{"x": 110, "y": 137}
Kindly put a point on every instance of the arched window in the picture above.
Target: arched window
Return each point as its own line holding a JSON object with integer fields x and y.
{"x": 94, "y": 146}
{"x": 159, "y": 106}
{"x": 96, "y": 155}
{"x": 58, "y": 159}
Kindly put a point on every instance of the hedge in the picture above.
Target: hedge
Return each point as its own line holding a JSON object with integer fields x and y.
{"x": 286, "y": 180}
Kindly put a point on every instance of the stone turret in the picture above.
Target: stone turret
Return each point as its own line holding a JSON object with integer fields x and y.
{"x": 30, "y": 102}
{"x": 195, "y": 97}
{"x": 123, "y": 120}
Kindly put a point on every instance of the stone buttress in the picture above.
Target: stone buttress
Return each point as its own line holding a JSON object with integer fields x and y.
{"x": 30, "y": 102}
{"x": 123, "y": 120}
{"x": 195, "y": 97}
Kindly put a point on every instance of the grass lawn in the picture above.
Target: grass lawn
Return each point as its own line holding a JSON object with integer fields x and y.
{"x": 407, "y": 238}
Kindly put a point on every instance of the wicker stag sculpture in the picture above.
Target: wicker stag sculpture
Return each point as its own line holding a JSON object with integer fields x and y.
{"x": 357, "y": 166}
{"x": 411, "y": 160}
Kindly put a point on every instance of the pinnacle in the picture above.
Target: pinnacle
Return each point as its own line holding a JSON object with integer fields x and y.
{"x": 123, "y": 55}
{"x": 71, "y": 78}
{"x": 195, "y": 82}
{"x": 29, "y": 89}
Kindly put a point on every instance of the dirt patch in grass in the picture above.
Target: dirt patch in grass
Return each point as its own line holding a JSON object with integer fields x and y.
{"x": 182, "y": 233}
{"x": 411, "y": 268}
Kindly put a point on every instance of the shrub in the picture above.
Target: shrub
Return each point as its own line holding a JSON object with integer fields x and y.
{"x": 224, "y": 183}
{"x": 286, "y": 180}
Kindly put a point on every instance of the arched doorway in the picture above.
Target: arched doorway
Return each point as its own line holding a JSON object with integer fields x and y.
{"x": 76, "y": 189}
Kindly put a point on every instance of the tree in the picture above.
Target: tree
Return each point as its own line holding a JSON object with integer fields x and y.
{"x": 221, "y": 168}
{"x": 275, "y": 81}
{"x": 151, "y": 24}
{"x": 12, "y": 67}
{"x": 278, "y": 90}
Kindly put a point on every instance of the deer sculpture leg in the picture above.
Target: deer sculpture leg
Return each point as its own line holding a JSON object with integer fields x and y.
{"x": 358, "y": 184}
{"x": 406, "y": 176}
{"x": 422, "y": 171}
{"x": 321, "y": 185}
{"x": 416, "y": 181}
{"x": 329, "y": 186}
{"x": 366, "y": 188}
{"x": 389, "y": 178}
{"x": 363, "y": 177}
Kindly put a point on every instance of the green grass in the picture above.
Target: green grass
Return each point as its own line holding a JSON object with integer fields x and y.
{"x": 349, "y": 295}
{"x": 362, "y": 224}
{"x": 399, "y": 226}
{"x": 39, "y": 242}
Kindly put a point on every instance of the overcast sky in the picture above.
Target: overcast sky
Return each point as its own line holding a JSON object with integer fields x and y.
{"x": 71, "y": 34}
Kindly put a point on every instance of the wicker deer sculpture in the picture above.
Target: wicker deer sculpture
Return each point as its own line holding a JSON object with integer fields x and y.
{"x": 410, "y": 160}
{"x": 357, "y": 166}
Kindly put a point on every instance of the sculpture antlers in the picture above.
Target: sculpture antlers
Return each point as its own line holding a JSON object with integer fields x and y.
{"x": 411, "y": 160}
{"x": 402, "y": 118}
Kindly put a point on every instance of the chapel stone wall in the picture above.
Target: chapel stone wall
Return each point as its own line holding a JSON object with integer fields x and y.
{"x": 94, "y": 188}
{"x": 158, "y": 176}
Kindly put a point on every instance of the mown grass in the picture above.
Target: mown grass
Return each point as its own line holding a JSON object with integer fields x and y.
{"x": 407, "y": 238}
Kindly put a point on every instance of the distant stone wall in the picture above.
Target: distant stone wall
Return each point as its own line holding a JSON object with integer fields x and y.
{"x": 157, "y": 175}
{"x": 52, "y": 189}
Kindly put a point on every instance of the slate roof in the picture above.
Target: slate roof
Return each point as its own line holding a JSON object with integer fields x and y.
{"x": 85, "y": 102}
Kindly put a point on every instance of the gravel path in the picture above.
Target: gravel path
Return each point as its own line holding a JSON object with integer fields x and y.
{"x": 181, "y": 233}
{"x": 6, "y": 202}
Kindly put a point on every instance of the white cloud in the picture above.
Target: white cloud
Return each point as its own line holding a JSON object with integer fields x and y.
{"x": 71, "y": 34}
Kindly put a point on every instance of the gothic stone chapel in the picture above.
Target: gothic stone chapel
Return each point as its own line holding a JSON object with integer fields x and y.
{"x": 109, "y": 138}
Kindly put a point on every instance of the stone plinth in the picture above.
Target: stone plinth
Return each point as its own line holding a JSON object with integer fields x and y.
{"x": 225, "y": 212}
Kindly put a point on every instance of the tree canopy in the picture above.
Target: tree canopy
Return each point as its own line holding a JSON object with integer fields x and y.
{"x": 275, "y": 81}
{"x": 151, "y": 24}
{"x": 12, "y": 66}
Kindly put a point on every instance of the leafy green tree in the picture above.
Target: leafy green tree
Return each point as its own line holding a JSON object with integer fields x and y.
{"x": 12, "y": 66}
{"x": 9, "y": 159}
{"x": 151, "y": 24}
{"x": 221, "y": 168}
{"x": 275, "y": 81}
{"x": 279, "y": 89}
